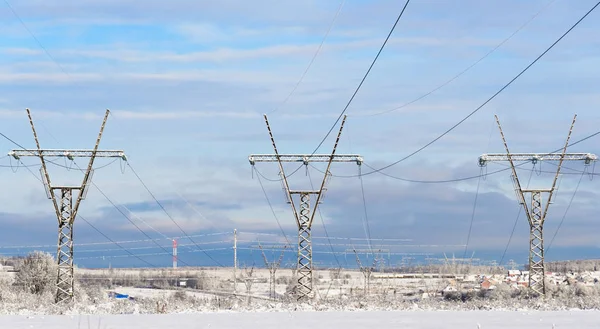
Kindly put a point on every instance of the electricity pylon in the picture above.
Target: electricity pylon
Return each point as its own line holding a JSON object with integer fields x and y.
{"x": 304, "y": 217}
{"x": 63, "y": 203}
{"x": 536, "y": 215}
{"x": 273, "y": 267}
{"x": 367, "y": 271}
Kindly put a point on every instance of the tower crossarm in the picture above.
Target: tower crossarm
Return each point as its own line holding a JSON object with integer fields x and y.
{"x": 534, "y": 157}
{"x": 68, "y": 153}
{"x": 305, "y": 158}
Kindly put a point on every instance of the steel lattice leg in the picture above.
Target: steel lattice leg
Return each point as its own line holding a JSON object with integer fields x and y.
{"x": 304, "y": 269}
{"x": 64, "y": 280}
{"x": 272, "y": 283}
{"x": 536, "y": 246}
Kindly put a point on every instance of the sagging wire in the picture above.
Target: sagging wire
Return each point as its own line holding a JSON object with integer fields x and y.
{"x": 366, "y": 216}
{"x": 538, "y": 172}
{"x": 12, "y": 167}
{"x": 258, "y": 175}
{"x": 323, "y": 223}
{"x": 122, "y": 165}
{"x": 473, "y": 212}
{"x": 270, "y": 179}
{"x": 517, "y": 219}
{"x": 567, "y": 209}
{"x": 70, "y": 165}
{"x": 483, "y": 175}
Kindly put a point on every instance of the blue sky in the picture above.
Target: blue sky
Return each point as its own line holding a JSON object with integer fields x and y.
{"x": 188, "y": 81}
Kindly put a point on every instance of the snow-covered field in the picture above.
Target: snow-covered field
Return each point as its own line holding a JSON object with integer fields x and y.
{"x": 318, "y": 320}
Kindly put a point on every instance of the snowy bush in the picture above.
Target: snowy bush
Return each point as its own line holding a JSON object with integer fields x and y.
{"x": 36, "y": 273}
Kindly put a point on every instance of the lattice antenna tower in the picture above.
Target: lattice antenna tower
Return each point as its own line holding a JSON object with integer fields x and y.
{"x": 305, "y": 214}
{"x": 537, "y": 210}
{"x": 62, "y": 198}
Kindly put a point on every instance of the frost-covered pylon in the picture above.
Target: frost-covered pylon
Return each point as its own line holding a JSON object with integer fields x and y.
{"x": 63, "y": 202}
{"x": 538, "y": 209}
{"x": 305, "y": 215}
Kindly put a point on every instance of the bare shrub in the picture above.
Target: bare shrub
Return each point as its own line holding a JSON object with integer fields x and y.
{"x": 180, "y": 295}
{"x": 36, "y": 272}
{"x": 452, "y": 296}
{"x": 201, "y": 282}
{"x": 283, "y": 280}
{"x": 93, "y": 292}
{"x": 334, "y": 274}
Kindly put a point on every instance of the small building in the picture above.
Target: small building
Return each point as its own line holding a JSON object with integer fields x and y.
{"x": 512, "y": 273}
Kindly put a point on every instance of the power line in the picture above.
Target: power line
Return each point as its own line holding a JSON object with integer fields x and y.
{"x": 169, "y": 215}
{"x": 323, "y": 222}
{"x": 575, "y": 171}
{"x": 80, "y": 251}
{"x": 116, "y": 243}
{"x": 484, "y": 103}
{"x": 104, "y": 243}
{"x": 271, "y": 206}
{"x": 566, "y": 211}
{"x": 379, "y": 171}
{"x": 65, "y": 72}
{"x": 107, "y": 198}
{"x": 512, "y": 233}
{"x": 49, "y": 161}
{"x": 36, "y": 39}
{"x": 463, "y": 71}
{"x": 150, "y": 254}
{"x": 277, "y": 179}
{"x": 132, "y": 222}
{"x": 98, "y": 188}
{"x": 313, "y": 58}
{"x": 97, "y": 230}
{"x": 364, "y": 77}
{"x": 366, "y": 215}
{"x": 454, "y": 180}
{"x": 472, "y": 215}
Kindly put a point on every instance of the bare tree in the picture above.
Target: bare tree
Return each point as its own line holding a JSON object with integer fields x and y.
{"x": 248, "y": 281}
{"x": 36, "y": 272}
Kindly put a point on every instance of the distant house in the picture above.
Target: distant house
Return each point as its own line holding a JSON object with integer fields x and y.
{"x": 487, "y": 285}
{"x": 512, "y": 273}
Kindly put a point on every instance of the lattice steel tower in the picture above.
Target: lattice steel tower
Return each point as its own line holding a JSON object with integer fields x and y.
{"x": 304, "y": 217}
{"x": 63, "y": 202}
{"x": 539, "y": 209}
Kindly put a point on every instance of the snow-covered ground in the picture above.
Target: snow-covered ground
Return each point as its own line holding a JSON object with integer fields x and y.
{"x": 318, "y": 320}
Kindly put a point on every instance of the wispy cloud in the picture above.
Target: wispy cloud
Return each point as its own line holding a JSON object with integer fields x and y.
{"x": 187, "y": 83}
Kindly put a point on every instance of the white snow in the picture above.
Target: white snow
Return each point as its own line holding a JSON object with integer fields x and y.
{"x": 317, "y": 320}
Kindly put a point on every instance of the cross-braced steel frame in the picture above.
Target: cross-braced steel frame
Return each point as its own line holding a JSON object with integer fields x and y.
{"x": 304, "y": 269}
{"x": 536, "y": 212}
{"x": 273, "y": 267}
{"x": 305, "y": 215}
{"x": 367, "y": 271}
{"x": 64, "y": 254}
{"x": 66, "y": 211}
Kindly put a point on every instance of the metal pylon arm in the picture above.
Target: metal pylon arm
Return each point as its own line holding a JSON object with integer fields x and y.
{"x": 534, "y": 157}
{"x": 305, "y": 158}
{"x": 68, "y": 153}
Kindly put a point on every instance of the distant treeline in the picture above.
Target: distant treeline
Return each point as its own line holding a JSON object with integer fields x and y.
{"x": 566, "y": 266}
